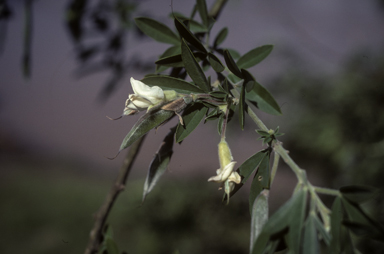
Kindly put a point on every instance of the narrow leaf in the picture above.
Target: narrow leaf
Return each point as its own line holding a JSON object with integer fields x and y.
{"x": 231, "y": 64}
{"x": 215, "y": 63}
{"x": 220, "y": 37}
{"x": 296, "y": 221}
{"x": 188, "y": 36}
{"x": 320, "y": 228}
{"x": 254, "y": 56}
{"x": 157, "y": 31}
{"x": 159, "y": 163}
{"x": 171, "y": 83}
{"x": 259, "y": 216}
{"x": 193, "y": 68}
{"x": 192, "y": 116}
{"x": 261, "y": 180}
{"x": 176, "y": 61}
{"x": 260, "y": 95}
{"x": 358, "y": 193}
{"x": 202, "y": 9}
{"x": 251, "y": 164}
{"x": 174, "y": 50}
{"x": 310, "y": 241}
{"x": 150, "y": 120}
{"x": 336, "y": 226}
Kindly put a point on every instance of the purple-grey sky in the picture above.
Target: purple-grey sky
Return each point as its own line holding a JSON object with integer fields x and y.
{"x": 59, "y": 115}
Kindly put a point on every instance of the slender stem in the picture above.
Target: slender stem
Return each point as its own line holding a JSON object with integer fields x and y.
{"x": 95, "y": 238}
{"x": 274, "y": 166}
{"x": 224, "y": 127}
{"x": 326, "y": 191}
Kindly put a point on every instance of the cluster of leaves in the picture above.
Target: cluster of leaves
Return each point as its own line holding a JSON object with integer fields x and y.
{"x": 188, "y": 55}
{"x": 291, "y": 226}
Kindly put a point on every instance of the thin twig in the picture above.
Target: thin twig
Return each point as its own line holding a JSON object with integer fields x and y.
{"x": 95, "y": 238}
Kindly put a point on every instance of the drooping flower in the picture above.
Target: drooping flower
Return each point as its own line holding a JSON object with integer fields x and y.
{"x": 225, "y": 174}
{"x": 144, "y": 97}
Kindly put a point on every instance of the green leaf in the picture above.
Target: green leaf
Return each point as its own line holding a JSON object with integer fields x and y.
{"x": 231, "y": 64}
{"x": 234, "y": 53}
{"x": 320, "y": 227}
{"x": 259, "y": 216}
{"x": 242, "y": 107}
{"x": 337, "y": 229}
{"x": 251, "y": 164}
{"x": 310, "y": 241}
{"x": 193, "y": 68}
{"x": 220, "y": 37}
{"x": 188, "y": 36}
{"x": 261, "y": 180}
{"x": 157, "y": 31}
{"x": 192, "y": 116}
{"x": 279, "y": 221}
{"x": 358, "y": 193}
{"x": 254, "y": 56}
{"x": 176, "y": 60}
{"x": 260, "y": 95}
{"x": 296, "y": 221}
{"x": 147, "y": 122}
{"x": 171, "y": 83}
{"x": 159, "y": 163}
{"x": 361, "y": 221}
{"x": 215, "y": 63}
{"x": 202, "y": 8}
{"x": 174, "y": 50}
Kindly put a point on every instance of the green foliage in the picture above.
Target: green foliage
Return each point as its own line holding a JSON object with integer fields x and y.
{"x": 303, "y": 224}
{"x": 157, "y": 31}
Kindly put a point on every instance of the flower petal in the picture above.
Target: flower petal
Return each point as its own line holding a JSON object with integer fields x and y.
{"x": 153, "y": 94}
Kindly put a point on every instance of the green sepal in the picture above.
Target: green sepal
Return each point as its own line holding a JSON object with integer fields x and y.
{"x": 193, "y": 68}
{"x": 147, "y": 122}
{"x": 188, "y": 36}
{"x": 157, "y": 31}
{"x": 170, "y": 83}
{"x": 159, "y": 163}
{"x": 192, "y": 116}
{"x": 254, "y": 56}
{"x": 231, "y": 64}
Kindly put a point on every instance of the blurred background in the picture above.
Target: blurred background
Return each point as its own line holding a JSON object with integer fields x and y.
{"x": 62, "y": 73}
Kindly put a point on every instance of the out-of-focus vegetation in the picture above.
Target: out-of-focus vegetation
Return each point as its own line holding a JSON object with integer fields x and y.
{"x": 48, "y": 209}
{"x": 337, "y": 126}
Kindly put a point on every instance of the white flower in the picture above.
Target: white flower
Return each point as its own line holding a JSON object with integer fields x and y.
{"x": 225, "y": 173}
{"x": 144, "y": 97}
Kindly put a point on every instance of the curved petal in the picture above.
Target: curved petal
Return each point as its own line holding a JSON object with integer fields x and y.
{"x": 153, "y": 94}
